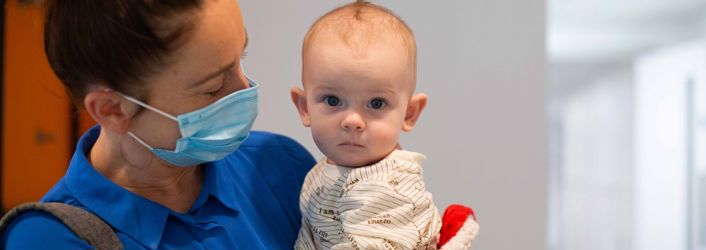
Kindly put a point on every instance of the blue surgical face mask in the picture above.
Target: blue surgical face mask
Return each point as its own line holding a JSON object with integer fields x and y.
{"x": 210, "y": 133}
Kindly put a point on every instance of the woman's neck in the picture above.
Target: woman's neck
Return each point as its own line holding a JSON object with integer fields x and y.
{"x": 134, "y": 168}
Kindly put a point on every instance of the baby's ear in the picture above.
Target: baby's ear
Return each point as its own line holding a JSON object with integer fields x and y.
{"x": 414, "y": 110}
{"x": 299, "y": 100}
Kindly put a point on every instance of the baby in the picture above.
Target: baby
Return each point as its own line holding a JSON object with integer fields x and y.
{"x": 359, "y": 76}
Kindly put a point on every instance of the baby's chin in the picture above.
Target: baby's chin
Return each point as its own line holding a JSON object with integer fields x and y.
{"x": 353, "y": 162}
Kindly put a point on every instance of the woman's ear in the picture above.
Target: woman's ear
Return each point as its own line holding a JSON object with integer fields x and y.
{"x": 299, "y": 100}
{"x": 414, "y": 110}
{"x": 109, "y": 109}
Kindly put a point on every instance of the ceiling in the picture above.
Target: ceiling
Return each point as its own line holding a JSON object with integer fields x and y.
{"x": 605, "y": 31}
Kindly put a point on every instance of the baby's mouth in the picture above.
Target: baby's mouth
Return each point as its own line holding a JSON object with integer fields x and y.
{"x": 351, "y": 144}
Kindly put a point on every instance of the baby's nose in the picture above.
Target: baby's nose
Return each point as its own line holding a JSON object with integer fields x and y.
{"x": 353, "y": 121}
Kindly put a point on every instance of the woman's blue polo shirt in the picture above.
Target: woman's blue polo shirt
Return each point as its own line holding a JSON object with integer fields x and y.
{"x": 249, "y": 200}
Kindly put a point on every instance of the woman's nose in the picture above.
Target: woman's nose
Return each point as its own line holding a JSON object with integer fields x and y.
{"x": 353, "y": 121}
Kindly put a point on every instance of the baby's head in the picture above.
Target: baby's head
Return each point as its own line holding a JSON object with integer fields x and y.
{"x": 359, "y": 76}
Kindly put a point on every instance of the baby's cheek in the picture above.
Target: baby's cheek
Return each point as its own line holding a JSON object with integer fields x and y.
{"x": 320, "y": 137}
{"x": 386, "y": 137}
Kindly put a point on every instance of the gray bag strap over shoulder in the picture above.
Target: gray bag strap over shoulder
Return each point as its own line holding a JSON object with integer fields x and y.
{"x": 84, "y": 224}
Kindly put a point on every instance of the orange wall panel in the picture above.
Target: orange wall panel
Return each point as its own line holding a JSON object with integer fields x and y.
{"x": 85, "y": 122}
{"x": 36, "y": 134}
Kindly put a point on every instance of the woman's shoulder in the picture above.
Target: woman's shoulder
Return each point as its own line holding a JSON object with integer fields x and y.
{"x": 274, "y": 150}
{"x": 268, "y": 139}
{"x": 39, "y": 230}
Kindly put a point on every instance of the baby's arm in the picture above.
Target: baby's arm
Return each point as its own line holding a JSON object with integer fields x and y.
{"x": 392, "y": 213}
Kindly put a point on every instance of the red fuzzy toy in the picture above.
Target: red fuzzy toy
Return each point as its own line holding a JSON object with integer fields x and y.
{"x": 458, "y": 228}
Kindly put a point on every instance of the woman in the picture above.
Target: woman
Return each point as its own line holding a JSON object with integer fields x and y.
{"x": 168, "y": 166}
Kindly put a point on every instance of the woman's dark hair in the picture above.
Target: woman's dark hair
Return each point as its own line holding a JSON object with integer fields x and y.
{"x": 113, "y": 42}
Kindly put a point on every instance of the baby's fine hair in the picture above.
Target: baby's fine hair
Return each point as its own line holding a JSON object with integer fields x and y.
{"x": 361, "y": 23}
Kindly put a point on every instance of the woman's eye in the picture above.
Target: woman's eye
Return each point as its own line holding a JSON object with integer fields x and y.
{"x": 227, "y": 78}
{"x": 332, "y": 101}
{"x": 215, "y": 92}
{"x": 377, "y": 103}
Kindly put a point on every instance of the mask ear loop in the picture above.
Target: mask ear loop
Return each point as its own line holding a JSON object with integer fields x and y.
{"x": 144, "y": 105}
{"x": 140, "y": 141}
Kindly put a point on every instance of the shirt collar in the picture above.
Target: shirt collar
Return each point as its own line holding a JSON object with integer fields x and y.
{"x": 131, "y": 214}
{"x": 219, "y": 182}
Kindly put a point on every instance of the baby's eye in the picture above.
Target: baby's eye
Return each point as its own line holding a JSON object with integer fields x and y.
{"x": 377, "y": 103}
{"x": 332, "y": 101}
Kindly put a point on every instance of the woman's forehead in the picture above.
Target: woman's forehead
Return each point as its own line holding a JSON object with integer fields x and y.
{"x": 218, "y": 39}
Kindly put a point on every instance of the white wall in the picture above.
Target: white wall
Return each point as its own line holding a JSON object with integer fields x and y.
{"x": 482, "y": 63}
{"x": 661, "y": 174}
{"x": 591, "y": 199}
